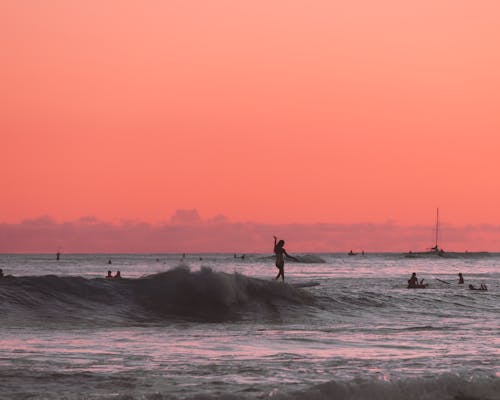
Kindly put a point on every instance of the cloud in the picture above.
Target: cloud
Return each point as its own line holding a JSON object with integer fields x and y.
{"x": 187, "y": 232}
{"x": 186, "y": 217}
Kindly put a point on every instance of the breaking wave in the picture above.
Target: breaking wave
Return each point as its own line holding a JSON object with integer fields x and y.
{"x": 446, "y": 386}
{"x": 179, "y": 293}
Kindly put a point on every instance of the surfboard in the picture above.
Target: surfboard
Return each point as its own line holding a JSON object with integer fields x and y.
{"x": 305, "y": 284}
{"x": 448, "y": 283}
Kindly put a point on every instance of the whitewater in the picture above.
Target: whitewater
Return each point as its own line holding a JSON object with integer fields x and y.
{"x": 218, "y": 326}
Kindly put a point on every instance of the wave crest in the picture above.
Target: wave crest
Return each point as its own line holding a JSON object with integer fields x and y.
{"x": 202, "y": 295}
{"x": 445, "y": 386}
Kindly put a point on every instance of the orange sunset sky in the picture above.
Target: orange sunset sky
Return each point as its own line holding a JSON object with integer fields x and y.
{"x": 269, "y": 112}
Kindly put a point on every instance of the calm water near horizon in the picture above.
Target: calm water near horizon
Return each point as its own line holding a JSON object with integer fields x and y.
{"x": 210, "y": 326}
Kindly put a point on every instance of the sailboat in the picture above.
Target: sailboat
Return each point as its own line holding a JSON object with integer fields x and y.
{"x": 434, "y": 250}
{"x": 437, "y": 251}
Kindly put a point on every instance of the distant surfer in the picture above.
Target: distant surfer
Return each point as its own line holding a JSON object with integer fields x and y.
{"x": 118, "y": 275}
{"x": 413, "y": 281}
{"x": 109, "y": 276}
{"x": 281, "y": 253}
{"x": 414, "y": 284}
{"x": 1, "y": 273}
{"x": 482, "y": 287}
{"x": 460, "y": 279}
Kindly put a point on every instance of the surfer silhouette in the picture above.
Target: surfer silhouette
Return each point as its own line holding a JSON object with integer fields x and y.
{"x": 413, "y": 282}
{"x": 1, "y": 273}
{"x": 482, "y": 287}
{"x": 281, "y": 253}
{"x": 118, "y": 275}
{"x": 109, "y": 275}
{"x": 460, "y": 279}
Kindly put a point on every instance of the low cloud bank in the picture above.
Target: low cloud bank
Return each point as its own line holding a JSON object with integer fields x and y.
{"x": 186, "y": 231}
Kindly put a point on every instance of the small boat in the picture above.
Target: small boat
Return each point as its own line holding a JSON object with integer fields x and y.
{"x": 434, "y": 250}
{"x": 439, "y": 252}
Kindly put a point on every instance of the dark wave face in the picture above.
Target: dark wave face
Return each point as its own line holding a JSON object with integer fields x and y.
{"x": 203, "y": 295}
{"x": 443, "y": 386}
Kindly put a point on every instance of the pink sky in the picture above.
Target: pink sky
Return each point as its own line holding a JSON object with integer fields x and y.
{"x": 277, "y": 112}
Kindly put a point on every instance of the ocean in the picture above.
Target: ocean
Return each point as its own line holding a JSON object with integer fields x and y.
{"x": 218, "y": 326}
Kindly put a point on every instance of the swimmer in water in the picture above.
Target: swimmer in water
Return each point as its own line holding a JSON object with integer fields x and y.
{"x": 413, "y": 282}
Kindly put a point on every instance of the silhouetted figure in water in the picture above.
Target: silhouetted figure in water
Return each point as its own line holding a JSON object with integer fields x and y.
{"x": 118, "y": 275}
{"x": 460, "y": 279}
{"x": 483, "y": 287}
{"x": 58, "y": 256}
{"x": 109, "y": 261}
{"x": 1, "y": 273}
{"x": 281, "y": 253}
{"x": 413, "y": 282}
{"x": 109, "y": 275}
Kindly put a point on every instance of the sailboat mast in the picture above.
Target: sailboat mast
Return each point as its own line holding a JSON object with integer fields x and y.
{"x": 437, "y": 227}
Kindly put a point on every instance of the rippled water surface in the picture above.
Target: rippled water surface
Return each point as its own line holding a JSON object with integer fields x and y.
{"x": 214, "y": 325}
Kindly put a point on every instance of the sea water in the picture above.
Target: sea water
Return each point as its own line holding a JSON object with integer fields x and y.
{"x": 217, "y": 326}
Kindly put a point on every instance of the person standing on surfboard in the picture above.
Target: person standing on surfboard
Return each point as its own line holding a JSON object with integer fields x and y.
{"x": 281, "y": 253}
